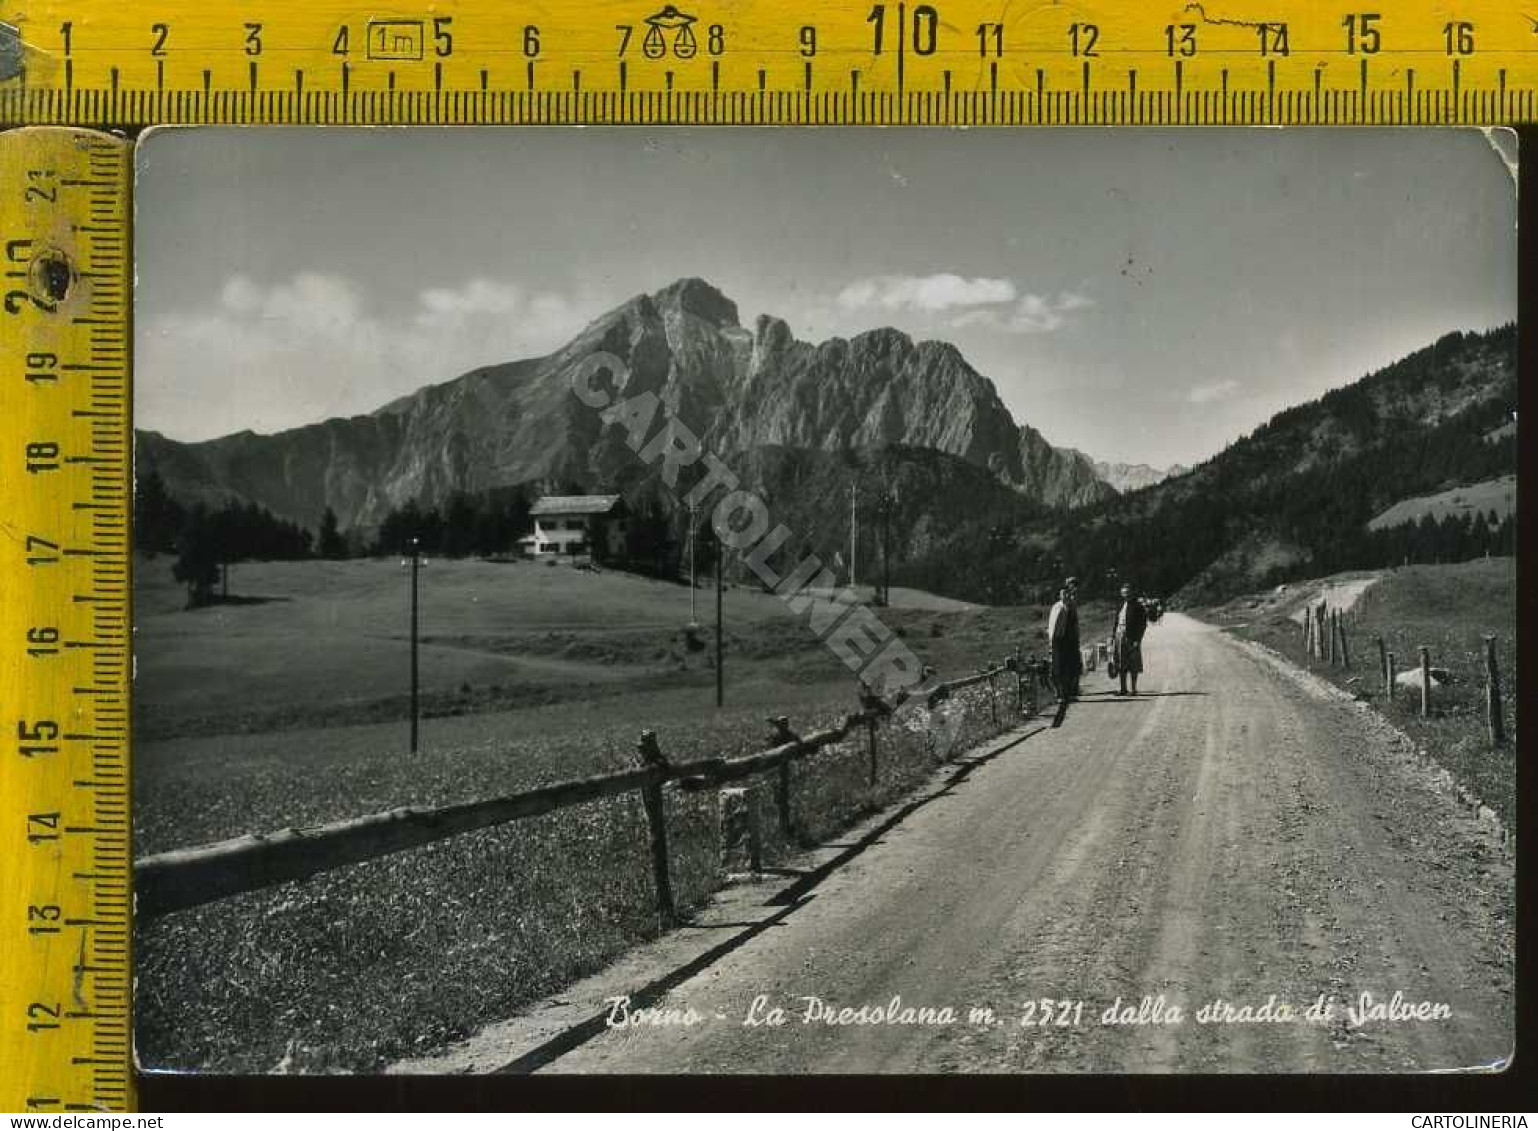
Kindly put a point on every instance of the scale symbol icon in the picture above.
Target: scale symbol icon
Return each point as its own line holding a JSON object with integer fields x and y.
{"x": 654, "y": 46}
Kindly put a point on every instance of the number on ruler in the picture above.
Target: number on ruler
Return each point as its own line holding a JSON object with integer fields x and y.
{"x": 990, "y": 37}
{"x": 42, "y": 455}
{"x": 35, "y": 739}
{"x": 40, "y": 915}
{"x": 878, "y": 17}
{"x": 1082, "y": 39}
{"x": 39, "y": 366}
{"x": 42, "y": 1016}
{"x": 1362, "y": 32}
{"x": 1273, "y": 39}
{"x": 1180, "y": 39}
{"x": 925, "y": 29}
{"x": 42, "y": 640}
{"x": 42, "y": 827}
{"x": 925, "y": 34}
{"x": 41, "y": 186}
{"x": 15, "y": 301}
{"x": 1458, "y": 35}
{"x": 38, "y": 551}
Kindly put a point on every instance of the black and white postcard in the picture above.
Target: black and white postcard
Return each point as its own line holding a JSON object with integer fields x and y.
{"x": 844, "y": 601}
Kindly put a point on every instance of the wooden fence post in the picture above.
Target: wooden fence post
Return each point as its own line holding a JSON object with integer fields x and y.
{"x": 783, "y": 734}
{"x": 656, "y": 820}
{"x": 993, "y": 700}
{"x": 1393, "y": 678}
{"x": 1425, "y": 681}
{"x": 1019, "y": 683}
{"x": 1330, "y": 627}
{"x": 1308, "y": 635}
{"x": 1493, "y": 695}
{"x": 1382, "y": 660}
{"x": 870, "y": 732}
{"x": 739, "y": 819}
{"x": 1345, "y": 650}
{"x": 1319, "y": 629}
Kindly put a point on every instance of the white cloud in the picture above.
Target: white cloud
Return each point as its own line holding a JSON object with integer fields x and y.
{"x": 301, "y": 349}
{"x": 927, "y": 293}
{"x": 478, "y": 296}
{"x": 996, "y": 304}
{"x": 1212, "y": 391}
{"x": 240, "y": 294}
{"x": 504, "y": 315}
{"x": 1030, "y": 314}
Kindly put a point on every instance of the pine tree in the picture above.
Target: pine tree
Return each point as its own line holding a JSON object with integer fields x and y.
{"x": 158, "y": 517}
{"x": 332, "y": 544}
{"x": 198, "y": 561}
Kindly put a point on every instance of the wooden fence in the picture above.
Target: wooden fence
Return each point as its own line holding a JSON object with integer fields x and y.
{"x": 1326, "y": 641}
{"x": 189, "y": 877}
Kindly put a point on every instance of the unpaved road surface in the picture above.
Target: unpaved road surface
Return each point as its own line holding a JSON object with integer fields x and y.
{"x": 1235, "y": 833}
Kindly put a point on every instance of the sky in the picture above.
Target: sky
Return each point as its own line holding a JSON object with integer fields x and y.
{"x": 1143, "y": 296}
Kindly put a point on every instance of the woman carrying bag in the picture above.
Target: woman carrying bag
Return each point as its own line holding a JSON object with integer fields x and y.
{"x": 1127, "y": 640}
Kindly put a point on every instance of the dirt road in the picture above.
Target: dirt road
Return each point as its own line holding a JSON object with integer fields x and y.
{"x": 1234, "y": 833}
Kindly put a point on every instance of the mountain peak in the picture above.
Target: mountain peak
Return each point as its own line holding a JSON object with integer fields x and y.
{"x": 695, "y": 296}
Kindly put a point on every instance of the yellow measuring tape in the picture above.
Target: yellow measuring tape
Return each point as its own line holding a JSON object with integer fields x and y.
{"x": 64, "y": 464}
{"x": 64, "y": 333}
{"x": 893, "y": 61}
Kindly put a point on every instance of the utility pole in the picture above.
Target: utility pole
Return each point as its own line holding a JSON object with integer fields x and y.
{"x": 720, "y": 634}
{"x": 416, "y": 567}
{"x": 853, "y": 533}
{"x": 693, "y": 619}
{"x": 886, "y": 549}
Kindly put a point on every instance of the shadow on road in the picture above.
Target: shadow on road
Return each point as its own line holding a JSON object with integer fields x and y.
{"x": 1095, "y": 698}
{"x": 786, "y": 901}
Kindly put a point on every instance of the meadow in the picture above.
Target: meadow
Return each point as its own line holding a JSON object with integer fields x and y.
{"x": 287, "y": 706}
{"x": 1447, "y": 608}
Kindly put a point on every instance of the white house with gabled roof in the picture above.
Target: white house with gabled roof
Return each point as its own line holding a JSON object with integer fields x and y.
{"x": 570, "y": 524}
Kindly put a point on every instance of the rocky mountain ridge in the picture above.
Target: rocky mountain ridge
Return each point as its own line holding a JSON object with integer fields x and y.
{"x": 741, "y": 389}
{"x": 1127, "y": 477}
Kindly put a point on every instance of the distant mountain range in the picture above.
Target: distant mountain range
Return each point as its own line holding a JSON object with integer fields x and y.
{"x": 742, "y": 389}
{"x": 1127, "y": 477}
{"x": 1296, "y": 496}
{"x": 982, "y": 506}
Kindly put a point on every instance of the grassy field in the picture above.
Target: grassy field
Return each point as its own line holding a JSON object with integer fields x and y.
{"x": 301, "y": 645}
{"x": 1448, "y": 608}
{"x": 1498, "y": 495}
{"x": 287, "y": 707}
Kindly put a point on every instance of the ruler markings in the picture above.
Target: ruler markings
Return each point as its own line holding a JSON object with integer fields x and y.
{"x": 92, "y": 213}
{"x": 1039, "y": 81}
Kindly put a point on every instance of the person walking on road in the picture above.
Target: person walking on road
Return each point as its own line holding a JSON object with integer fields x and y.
{"x": 1127, "y": 638}
{"x": 1063, "y": 633}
